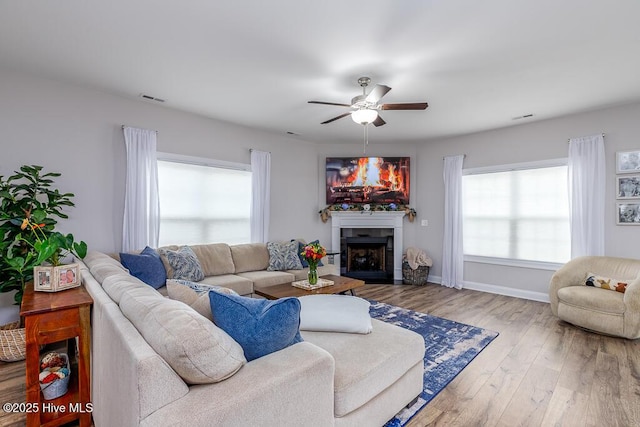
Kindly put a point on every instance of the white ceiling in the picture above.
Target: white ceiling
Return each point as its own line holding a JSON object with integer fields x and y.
{"x": 478, "y": 64}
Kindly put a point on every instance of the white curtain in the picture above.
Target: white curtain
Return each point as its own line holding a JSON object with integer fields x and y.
{"x": 260, "y": 195}
{"x": 452, "y": 252}
{"x": 141, "y": 204}
{"x": 586, "y": 195}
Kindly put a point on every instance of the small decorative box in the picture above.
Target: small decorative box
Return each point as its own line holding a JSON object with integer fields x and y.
{"x": 304, "y": 284}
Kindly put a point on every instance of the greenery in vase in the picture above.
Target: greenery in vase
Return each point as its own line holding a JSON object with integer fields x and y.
{"x": 29, "y": 212}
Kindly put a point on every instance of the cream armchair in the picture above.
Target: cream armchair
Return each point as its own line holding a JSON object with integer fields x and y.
{"x": 600, "y": 310}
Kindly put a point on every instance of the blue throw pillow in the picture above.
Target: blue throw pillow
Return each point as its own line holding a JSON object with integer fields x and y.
{"x": 303, "y": 261}
{"x": 260, "y": 326}
{"x": 147, "y": 267}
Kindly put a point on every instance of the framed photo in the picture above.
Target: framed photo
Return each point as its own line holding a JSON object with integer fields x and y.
{"x": 628, "y": 187}
{"x": 42, "y": 280}
{"x": 68, "y": 276}
{"x": 628, "y": 161}
{"x": 54, "y": 279}
{"x": 628, "y": 213}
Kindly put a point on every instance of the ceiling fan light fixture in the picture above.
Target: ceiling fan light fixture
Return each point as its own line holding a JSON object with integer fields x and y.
{"x": 364, "y": 116}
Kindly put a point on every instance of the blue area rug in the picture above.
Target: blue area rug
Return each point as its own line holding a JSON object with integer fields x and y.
{"x": 450, "y": 346}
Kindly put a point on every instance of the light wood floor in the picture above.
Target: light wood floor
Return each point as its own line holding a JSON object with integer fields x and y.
{"x": 538, "y": 372}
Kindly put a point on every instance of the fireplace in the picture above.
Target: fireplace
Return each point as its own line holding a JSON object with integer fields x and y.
{"x": 366, "y": 258}
{"x": 361, "y": 224}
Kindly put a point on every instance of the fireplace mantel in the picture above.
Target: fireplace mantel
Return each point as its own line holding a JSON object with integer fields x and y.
{"x": 364, "y": 219}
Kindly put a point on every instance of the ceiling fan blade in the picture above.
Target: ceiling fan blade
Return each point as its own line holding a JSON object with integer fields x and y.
{"x": 377, "y": 92}
{"x": 407, "y": 106}
{"x": 379, "y": 121}
{"x": 336, "y": 118}
{"x": 329, "y": 103}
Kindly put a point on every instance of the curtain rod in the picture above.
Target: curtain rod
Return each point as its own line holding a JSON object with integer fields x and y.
{"x": 464, "y": 156}
{"x": 126, "y": 126}
{"x": 569, "y": 139}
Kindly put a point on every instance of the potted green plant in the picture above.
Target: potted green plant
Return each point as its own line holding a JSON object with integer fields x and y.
{"x": 29, "y": 211}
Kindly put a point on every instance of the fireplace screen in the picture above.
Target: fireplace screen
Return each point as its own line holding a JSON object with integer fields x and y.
{"x": 366, "y": 254}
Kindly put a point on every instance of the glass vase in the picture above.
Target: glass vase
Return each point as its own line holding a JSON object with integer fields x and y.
{"x": 312, "y": 276}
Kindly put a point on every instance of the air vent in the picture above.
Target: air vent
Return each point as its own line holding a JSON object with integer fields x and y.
{"x": 151, "y": 98}
{"x": 526, "y": 116}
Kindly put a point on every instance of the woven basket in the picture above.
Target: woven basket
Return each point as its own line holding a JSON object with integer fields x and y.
{"x": 13, "y": 346}
{"x": 418, "y": 276}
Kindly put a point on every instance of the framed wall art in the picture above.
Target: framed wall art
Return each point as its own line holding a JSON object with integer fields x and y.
{"x": 628, "y": 187}
{"x": 628, "y": 161}
{"x": 628, "y": 213}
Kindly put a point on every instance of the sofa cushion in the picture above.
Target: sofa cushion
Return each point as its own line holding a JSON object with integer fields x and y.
{"x": 184, "y": 264}
{"x": 283, "y": 256}
{"x": 117, "y": 286}
{"x": 250, "y": 257}
{"x": 146, "y": 266}
{"x": 102, "y": 265}
{"x": 592, "y": 299}
{"x": 215, "y": 259}
{"x": 195, "y": 295}
{"x": 265, "y": 278}
{"x": 335, "y": 313}
{"x": 241, "y": 285}
{"x": 366, "y": 365}
{"x": 260, "y": 326}
{"x": 606, "y": 283}
{"x": 194, "y": 347}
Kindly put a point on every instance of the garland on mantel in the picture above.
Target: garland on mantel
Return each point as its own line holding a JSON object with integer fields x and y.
{"x": 325, "y": 213}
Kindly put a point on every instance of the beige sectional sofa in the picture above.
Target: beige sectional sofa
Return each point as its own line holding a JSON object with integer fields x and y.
{"x": 244, "y": 267}
{"x": 150, "y": 355}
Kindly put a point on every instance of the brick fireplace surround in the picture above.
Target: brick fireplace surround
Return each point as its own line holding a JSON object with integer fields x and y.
{"x": 384, "y": 219}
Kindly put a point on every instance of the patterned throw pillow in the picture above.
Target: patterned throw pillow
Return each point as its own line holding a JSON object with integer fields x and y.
{"x": 283, "y": 256}
{"x": 184, "y": 263}
{"x": 606, "y": 283}
{"x": 195, "y": 295}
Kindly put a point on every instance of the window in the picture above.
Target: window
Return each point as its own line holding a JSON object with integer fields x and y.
{"x": 203, "y": 201}
{"x": 517, "y": 212}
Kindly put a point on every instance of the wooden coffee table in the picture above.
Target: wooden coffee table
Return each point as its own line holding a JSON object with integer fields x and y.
{"x": 340, "y": 285}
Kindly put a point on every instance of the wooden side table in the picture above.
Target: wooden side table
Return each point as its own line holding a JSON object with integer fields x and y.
{"x": 49, "y": 318}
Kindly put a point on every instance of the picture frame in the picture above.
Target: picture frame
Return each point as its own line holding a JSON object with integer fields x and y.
{"x": 628, "y": 187}
{"x": 42, "y": 279}
{"x": 628, "y": 213}
{"x": 628, "y": 161}
{"x": 54, "y": 279}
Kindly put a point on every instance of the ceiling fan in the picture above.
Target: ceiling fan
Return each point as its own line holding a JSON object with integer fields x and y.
{"x": 365, "y": 107}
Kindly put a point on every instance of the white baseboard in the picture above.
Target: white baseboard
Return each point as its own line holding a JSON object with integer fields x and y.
{"x": 499, "y": 290}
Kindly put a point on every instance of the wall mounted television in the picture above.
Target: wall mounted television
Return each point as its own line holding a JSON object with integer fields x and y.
{"x": 362, "y": 180}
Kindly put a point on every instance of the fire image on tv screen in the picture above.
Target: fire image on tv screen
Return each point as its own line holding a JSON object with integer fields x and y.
{"x": 367, "y": 180}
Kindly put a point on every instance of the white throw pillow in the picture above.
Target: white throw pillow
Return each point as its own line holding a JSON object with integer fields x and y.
{"x": 335, "y": 313}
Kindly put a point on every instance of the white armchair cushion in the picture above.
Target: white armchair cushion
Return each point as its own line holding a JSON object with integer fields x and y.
{"x": 335, "y": 313}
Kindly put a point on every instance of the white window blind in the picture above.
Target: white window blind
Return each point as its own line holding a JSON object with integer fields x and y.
{"x": 203, "y": 203}
{"x": 520, "y": 214}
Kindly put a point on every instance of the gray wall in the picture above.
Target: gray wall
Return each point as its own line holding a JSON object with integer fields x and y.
{"x": 77, "y": 131}
{"x": 536, "y": 141}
